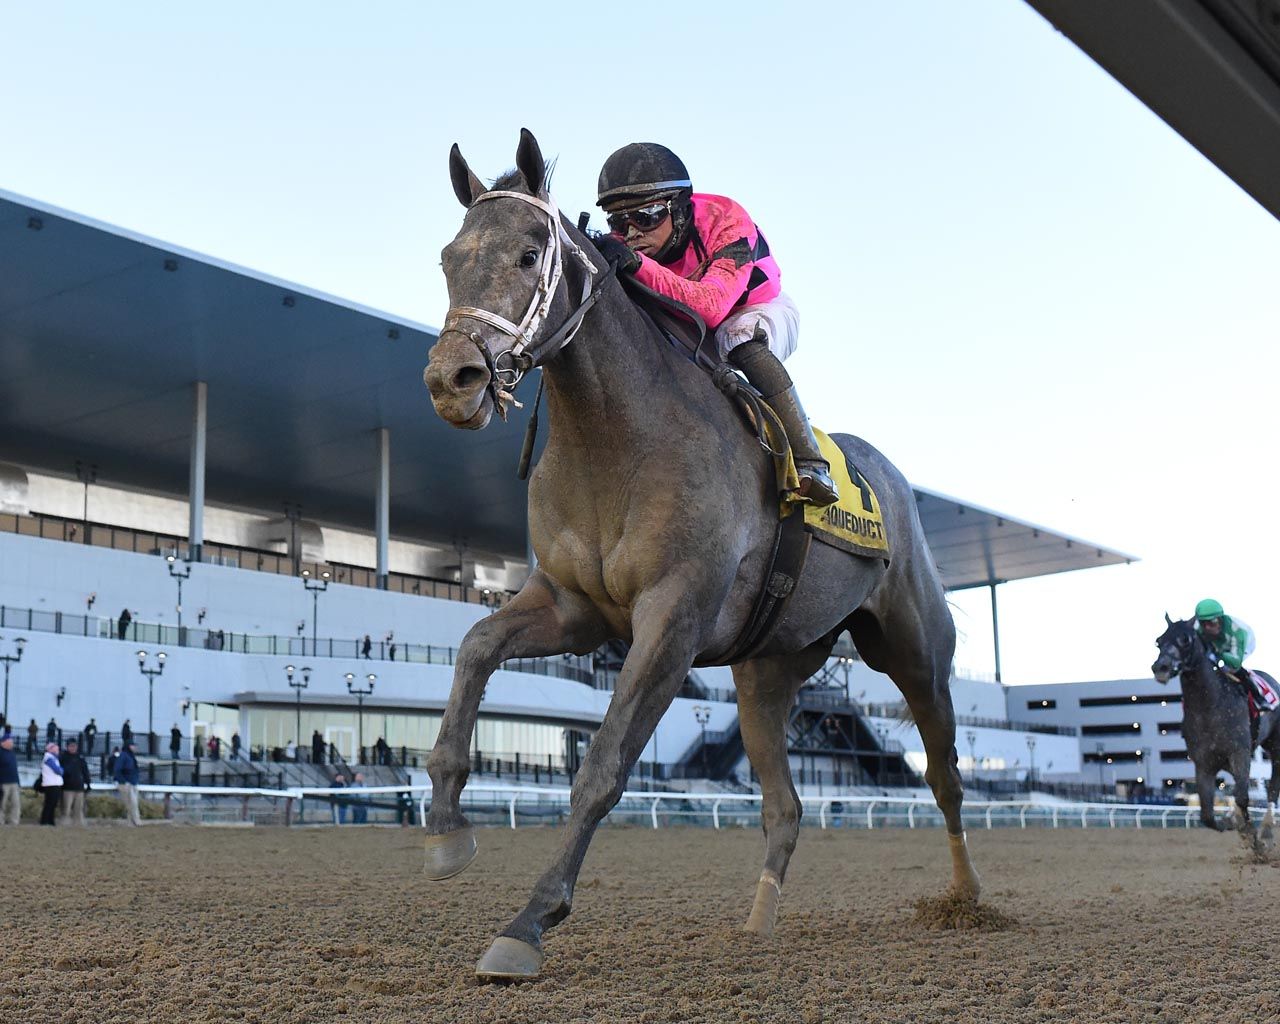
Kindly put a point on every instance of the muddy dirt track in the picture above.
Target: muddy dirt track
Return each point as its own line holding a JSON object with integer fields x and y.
{"x": 189, "y": 924}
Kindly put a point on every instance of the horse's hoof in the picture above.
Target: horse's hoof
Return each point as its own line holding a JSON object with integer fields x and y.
{"x": 450, "y": 853}
{"x": 509, "y": 959}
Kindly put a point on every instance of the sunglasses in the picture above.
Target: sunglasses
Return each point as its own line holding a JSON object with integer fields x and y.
{"x": 645, "y": 218}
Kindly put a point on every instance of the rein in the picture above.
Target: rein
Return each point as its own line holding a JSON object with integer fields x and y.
{"x": 508, "y": 367}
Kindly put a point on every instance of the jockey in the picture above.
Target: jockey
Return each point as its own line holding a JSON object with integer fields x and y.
{"x": 706, "y": 252}
{"x": 1231, "y": 640}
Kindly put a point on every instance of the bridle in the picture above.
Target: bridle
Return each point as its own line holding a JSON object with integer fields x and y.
{"x": 508, "y": 367}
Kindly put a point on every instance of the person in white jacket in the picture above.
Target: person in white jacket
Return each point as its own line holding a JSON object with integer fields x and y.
{"x": 50, "y": 784}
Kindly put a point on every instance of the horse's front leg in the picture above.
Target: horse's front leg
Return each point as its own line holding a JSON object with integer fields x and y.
{"x": 1240, "y": 765}
{"x": 542, "y": 619}
{"x": 666, "y": 633}
{"x": 1206, "y": 787}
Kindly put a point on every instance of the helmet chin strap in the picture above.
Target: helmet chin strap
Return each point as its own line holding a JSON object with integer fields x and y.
{"x": 509, "y": 366}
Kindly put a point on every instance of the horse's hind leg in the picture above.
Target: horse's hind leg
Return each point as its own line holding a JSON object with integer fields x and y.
{"x": 542, "y": 619}
{"x": 912, "y": 639}
{"x": 766, "y": 690}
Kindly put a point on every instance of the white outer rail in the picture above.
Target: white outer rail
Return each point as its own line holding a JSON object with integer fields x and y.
{"x": 1008, "y": 811}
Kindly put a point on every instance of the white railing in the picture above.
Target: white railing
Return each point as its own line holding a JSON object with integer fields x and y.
{"x": 863, "y": 812}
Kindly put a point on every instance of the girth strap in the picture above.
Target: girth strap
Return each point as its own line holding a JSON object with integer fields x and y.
{"x": 786, "y": 563}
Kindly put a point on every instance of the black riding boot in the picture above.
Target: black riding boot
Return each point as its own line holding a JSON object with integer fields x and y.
{"x": 768, "y": 376}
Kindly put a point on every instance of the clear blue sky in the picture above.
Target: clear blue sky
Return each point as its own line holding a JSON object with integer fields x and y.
{"x": 1014, "y": 279}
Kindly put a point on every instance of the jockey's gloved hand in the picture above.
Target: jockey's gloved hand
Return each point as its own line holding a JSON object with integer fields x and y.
{"x": 618, "y": 253}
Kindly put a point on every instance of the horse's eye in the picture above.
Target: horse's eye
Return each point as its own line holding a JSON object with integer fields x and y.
{"x": 529, "y": 258}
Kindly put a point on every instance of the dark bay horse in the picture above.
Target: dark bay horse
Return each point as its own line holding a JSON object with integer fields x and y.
{"x": 1215, "y": 724}
{"x": 652, "y": 513}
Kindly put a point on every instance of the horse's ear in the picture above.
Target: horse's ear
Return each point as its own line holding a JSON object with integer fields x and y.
{"x": 530, "y": 163}
{"x": 466, "y": 186}
{"x": 1167, "y": 621}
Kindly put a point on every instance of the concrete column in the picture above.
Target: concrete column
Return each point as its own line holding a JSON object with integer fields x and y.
{"x": 195, "y": 495}
{"x": 995, "y": 629}
{"x": 382, "y": 513}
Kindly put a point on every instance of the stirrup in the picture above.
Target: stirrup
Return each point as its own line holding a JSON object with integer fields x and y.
{"x": 816, "y": 484}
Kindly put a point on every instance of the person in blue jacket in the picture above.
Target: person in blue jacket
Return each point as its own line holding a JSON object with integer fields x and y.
{"x": 127, "y": 778}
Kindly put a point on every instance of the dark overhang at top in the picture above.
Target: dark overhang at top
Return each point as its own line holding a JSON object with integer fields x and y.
{"x": 975, "y": 547}
{"x": 1209, "y": 68}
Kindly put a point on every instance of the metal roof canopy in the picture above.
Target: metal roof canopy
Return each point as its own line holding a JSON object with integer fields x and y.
{"x": 1209, "y": 68}
{"x": 102, "y": 334}
{"x": 975, "y": 547}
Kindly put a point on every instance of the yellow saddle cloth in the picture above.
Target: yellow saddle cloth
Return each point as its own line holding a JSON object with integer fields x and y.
{"x": 855, "y": 523}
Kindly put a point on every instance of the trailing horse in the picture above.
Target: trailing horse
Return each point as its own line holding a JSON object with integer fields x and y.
{"x": 652, "y": 513}
{"x": 1215, "y": 724}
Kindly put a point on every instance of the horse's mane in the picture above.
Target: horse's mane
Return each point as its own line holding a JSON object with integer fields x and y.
{"x": 513, "y": 180}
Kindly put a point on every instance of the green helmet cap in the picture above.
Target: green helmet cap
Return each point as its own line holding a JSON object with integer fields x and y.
{"x": 1209, "y": 609}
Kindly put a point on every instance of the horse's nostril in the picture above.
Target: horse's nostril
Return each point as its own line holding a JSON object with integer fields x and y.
{"x": 469, "y": 377}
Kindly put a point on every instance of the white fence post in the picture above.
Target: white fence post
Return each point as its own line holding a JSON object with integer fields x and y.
{"x": 871, "y": 807}
{"x": 1022, "y": 815}
{"x": 653, "y": 811}
{"x": 715, "y": 812}
{"x": 512, "y": 807}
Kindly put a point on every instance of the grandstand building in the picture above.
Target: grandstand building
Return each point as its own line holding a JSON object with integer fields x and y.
{"x": 253, "y": 472}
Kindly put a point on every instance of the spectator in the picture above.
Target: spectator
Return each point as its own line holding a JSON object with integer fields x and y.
{"x": 75, "y": 784}
{"x": 126, "y": 733}
{"x": 367, "y": 646}
{"x": 339, "y": 803}
{"x": 50, "y": 784}
{"x": 381, "y": 752}
{"x": 175, "y": 741}
{"x": 33, "y": 737}
{"x": 110, "y": 772}
{"x": 317, "y": 747}
{"x": 222, "y": 640}
{"x": 10, "y": 795}
{"x": 90, "y": 737}
{"x": 235, "y": 745}
{"x": 127, "y": 778}
{"x": 215, "y": 748}
{"x": 291, "y": 751}
{"x": 404, "y": 808}
{"x": 122, "y": 625}
{"x": 51, "y": 731}
{"x": 359, "y": 805}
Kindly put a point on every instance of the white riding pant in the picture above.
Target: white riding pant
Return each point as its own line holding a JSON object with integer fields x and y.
{"x": 778, "y": 318}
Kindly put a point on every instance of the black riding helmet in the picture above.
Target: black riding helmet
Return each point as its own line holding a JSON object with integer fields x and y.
{"x": 646, "y": 171}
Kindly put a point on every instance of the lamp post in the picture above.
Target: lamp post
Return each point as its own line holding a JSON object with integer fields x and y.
{"x": 845, "y": 663}
{"x": 86, "y": 475}
{"x": 702, "y": 713}
{"x": 1098, "y": 750}
{"x": 972, "y": 737}
{"x": 151, "y": 674}
{"x": 11, "y": 659}
{"x": 316, "y": 587}
{"x": 179, "y": 576}
{"x": 298, "y": 687}
{"x": 883, "y": 734}
{"x": 360, "y": 693}
{"x": 1031, "y": 755}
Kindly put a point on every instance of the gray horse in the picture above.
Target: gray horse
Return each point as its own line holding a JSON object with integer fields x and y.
{"x": 1215, "y": 724}
{"x": 652, "y": 513}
